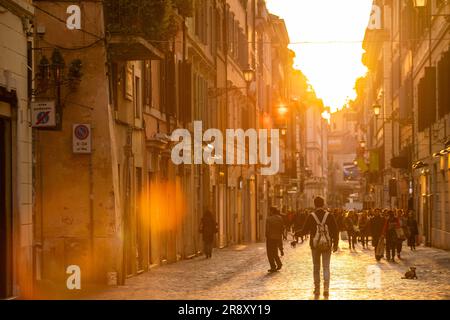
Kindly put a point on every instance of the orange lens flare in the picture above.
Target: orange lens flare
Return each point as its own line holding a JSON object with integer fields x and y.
{"x": 165, "y": 207}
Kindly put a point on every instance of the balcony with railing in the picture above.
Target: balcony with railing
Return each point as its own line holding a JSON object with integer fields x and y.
{"x": 139, "y": 29}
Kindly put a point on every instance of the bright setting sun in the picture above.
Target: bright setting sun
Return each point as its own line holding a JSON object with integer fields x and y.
{"x": 326, "y": 36}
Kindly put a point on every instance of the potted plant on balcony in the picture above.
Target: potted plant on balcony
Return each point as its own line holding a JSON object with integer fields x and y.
{"x": 153, "y": 19}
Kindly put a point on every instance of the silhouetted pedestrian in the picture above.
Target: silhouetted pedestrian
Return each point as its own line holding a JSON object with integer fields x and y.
{"x": 274, "y": 237}
{"x": 351, "y": 225}
{"x": 324, "y": 237}
{"x": 402, "y": 231}
{"x": 299, "y": 222}
{"x": 413, "y": 231}
{"x": 363, "y": 223}
{"x": 376, "y": 227}
{"x": 208, "y": 227}
{"x": 390, "y": 233}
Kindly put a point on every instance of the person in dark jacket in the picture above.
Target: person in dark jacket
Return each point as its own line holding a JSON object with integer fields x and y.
{"x": 208, "y": 227}
{"x": 284, "y": 234}
{"x": 340, "y": 219}
{"x": 351, "y": 225}
{"x": 413, "y": 231}
{"x": 363, "y": 223}
{"x": 310, "y": 228}
{"x": 274, "y": 236}
{"x": 390, "y": 233}
{"x": 299, "y": 221}
{"x": 376, "y": 227}
{"x": 402, "y": 218}
{"x": 286, "y": 224}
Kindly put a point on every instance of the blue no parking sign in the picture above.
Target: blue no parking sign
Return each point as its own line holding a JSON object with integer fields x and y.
{"x": 81, "y": 132}
{"x": 81, "y": 142}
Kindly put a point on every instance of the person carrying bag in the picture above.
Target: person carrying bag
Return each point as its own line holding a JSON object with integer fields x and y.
{"x": 379, "y": 250}
{"x": 324, "y": 231}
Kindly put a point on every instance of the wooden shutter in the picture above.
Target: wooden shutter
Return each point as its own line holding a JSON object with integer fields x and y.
{"x": 444, "y": 85}
{"x": 427, "y": 99}
{"x": 430, "y": 91}
{"x": 185, "y": 92}
{"x": 170, "y": 99}
{"x": 162, "y": 87}
{"x": 421, "y": 105}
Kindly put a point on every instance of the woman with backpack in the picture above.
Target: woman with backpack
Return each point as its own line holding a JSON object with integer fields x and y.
{"x": 323, "y": 229}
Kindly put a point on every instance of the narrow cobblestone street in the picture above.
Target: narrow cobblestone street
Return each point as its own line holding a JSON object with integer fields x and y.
{"x": 240, "y": 272}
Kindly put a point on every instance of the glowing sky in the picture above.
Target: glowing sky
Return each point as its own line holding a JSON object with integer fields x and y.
{"x": 331, "y": 67}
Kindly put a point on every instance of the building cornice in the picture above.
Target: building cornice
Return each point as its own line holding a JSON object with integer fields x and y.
{"x": 19, "y": 7}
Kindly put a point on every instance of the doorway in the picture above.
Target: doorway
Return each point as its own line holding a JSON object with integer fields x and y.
{"x": 5, "y": 209}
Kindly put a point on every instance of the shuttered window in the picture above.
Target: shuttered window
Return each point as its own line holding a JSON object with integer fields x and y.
{"x": 444, "y": 85}
{"x": 170, "y": 85}
{"x": 185, "y": 92}
{"x": 427, "y": 99}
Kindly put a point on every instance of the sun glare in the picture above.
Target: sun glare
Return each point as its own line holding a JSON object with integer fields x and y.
{"x": 326, "y": 36}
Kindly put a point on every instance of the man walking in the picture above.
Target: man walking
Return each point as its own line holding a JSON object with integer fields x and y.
{"x": 324, "y": 237}
{"x": 376, "y": 227}
{"x": 274, "y": 234}
{"x": 208, "y": 228}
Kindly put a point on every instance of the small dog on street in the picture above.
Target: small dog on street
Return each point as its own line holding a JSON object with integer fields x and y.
{"x": 410, "y": 274}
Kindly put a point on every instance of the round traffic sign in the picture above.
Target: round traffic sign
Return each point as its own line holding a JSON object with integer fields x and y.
{"x": 81, "y": 132}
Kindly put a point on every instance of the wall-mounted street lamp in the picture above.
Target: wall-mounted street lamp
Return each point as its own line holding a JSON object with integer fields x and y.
{"x": 419, "y": 165}
{"x": 44, "y": 71}
{"x": 441, "y": 153}
{"x": 58, "y": 65}
{"x": 444, "y": 152}
{"x": 282, "y": 109}
{"x": 377, "y": 110}
{"x": 249, "y": 75}
{"x": 51, "y": 75}
{"x": 420, "y": 3}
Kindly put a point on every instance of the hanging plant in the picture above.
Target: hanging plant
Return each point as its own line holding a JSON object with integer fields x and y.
{"x": 57, "y": 59}
{"x": 157, "y": 15}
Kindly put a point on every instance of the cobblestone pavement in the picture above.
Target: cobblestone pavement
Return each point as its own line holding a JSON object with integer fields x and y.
{"x": 240, "y": 272}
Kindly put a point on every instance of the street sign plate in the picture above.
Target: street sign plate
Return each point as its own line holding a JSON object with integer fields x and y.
{"x": 43, "y": 114}
{"x": 81, "y": 138}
